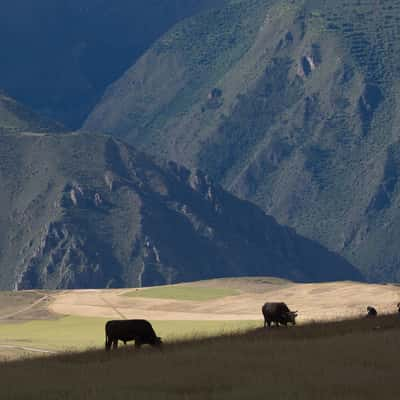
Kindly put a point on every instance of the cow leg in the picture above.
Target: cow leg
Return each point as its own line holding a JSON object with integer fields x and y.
{"x": 115, "y": 344}
{"x": 138, "y": 344}
{"x": 108, "y": 343}
{"x": 269, "y": 324}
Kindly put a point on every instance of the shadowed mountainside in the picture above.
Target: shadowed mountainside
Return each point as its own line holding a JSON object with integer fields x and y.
{"x": 290, "y": 104}
{"x": 58, "y": 58}
{"x": 81, "y": 211}
{"x": 14, "y": 117}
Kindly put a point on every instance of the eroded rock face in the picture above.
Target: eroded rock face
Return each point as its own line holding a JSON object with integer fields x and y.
{"x": 68, "y": 259}
{"x": 114, "y": 218}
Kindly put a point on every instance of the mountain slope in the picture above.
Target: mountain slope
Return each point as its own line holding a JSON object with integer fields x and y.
{"x": 81, "y": 211}
{"x": 59, "y": 58}
{"x": 290, "y": 104}
{"x": 14, "y": 117}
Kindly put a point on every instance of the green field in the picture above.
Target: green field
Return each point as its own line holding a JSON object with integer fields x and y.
{"x": 80, "y": 333}
{"x": 193, "y": 293}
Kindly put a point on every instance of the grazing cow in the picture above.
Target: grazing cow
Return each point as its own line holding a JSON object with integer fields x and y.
{"x": 371, "y": 312}
{"x": 138, "y": 330}
{"x": 278, "y": 313}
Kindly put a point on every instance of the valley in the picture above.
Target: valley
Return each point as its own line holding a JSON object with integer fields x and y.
{"x": 185, "y": 162}
{"x": 39, "y": 323}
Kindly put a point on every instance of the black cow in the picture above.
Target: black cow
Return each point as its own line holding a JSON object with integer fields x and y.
{"x": 278, "y": 313}
{"x": 371, "y": 312}
{"x": 138, "y": 330}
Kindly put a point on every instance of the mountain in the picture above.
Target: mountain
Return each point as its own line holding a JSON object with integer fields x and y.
{"x": 291, "y": 104}
{"x": 15, "y": 117}
{"x": 58, "y": 57}
{"x": 87, "y": 211}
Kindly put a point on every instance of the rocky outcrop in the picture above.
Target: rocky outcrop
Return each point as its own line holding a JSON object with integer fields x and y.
{"x": 96, "y": 213}
{"x": 66, "y": 259}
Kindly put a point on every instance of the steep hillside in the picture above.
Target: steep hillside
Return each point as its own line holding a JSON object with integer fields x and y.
{"x": 353, "y": 359}
{"x": 59, "y": 58}
{"x": 14, "y": 117}
{"x": 88, "y": 211}
{"x": 291, "y": 104}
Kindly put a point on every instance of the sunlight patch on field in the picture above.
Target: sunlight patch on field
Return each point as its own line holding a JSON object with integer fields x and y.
{"x": 62, "y": 334}
{"x": 74, "y": 320}
{"x": 78, "y": 333}
{"x": 182, "y": 293}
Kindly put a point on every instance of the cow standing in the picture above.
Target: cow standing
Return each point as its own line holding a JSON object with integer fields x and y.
{"x": 371, "y": 312}
{"x": 138, "y": 330}
{"x": 278, "y": 313}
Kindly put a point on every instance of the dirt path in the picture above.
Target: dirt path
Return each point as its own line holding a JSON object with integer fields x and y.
{"x": 25, "y": 309}
{"x": 111, "y": 306}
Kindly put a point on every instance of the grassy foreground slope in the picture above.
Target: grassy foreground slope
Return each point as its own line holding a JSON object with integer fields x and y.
{"x": 346, "y": 360}
{"x": 290, "y": 104}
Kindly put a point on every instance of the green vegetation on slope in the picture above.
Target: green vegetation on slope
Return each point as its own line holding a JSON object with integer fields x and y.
{"x": 345, "y": 360}
{"x": 182, "y": 293}
{"x": 289, "y": 104}
{"x": 192, "y": 57}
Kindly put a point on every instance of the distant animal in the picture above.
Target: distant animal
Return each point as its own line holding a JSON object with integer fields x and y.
{"x": 278, "y": 313}
{"x": 398, "y": 308}
{"x": 138, "y": 330}
{"x": 371, "y": 312}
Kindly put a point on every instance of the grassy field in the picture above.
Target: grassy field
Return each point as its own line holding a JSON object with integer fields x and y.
{"x": 81, "y": 333}
{"x": 355, "y": 359}
{"x": 193, "y": 293}
{"x": 74, "y": 320}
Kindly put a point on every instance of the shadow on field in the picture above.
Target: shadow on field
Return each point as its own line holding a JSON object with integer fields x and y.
{"x": 304, "y": 332}
{"x": 344, "y": 359}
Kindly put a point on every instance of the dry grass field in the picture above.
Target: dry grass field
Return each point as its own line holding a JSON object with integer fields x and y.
{"x": 38, "y": 322}
{"x": 237, "y": 299}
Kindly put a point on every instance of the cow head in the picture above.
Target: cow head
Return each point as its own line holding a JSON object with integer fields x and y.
{"x": 291, "y": 317}
{"x": 158, "y": 342}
